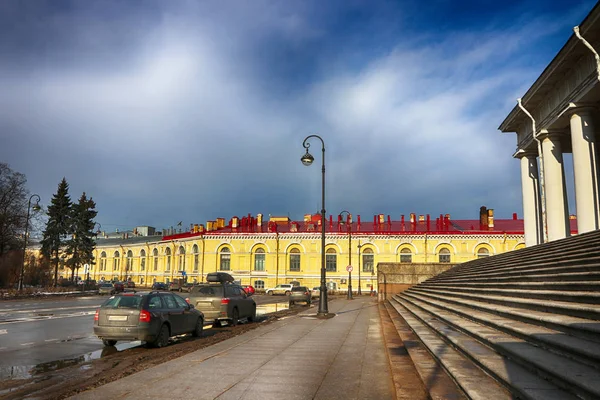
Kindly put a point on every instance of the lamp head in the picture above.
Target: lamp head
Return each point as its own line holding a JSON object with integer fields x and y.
{"x": 36, "y": 207}
{"x": 307, "y": 159}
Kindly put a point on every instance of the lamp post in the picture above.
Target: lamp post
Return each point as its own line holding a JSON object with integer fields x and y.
{"x": 349, "y": 268}
{"x": 359, "y": 281}
{"x": 307, "y": 159}
{"x": 36, "y": 207}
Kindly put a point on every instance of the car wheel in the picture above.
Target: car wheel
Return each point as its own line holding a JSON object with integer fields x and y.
{"x": 270, "y": 293}
{"x": 252, "y": 316}
{"x": 287, "y": 292}
{"x": 107, "y": 342}
{"x": 199, "y": 327}
{"x": 163, "y": 337}
{"x": 235, "y": 317}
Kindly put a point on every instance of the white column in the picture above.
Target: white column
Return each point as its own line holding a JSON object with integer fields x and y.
{"x": 585, "y": 169}
{"x": 557, "y": 214}
{"x": 532, "y": 211}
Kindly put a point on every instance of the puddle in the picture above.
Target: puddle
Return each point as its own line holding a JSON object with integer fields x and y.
{"x": 264, "y": 309}
{"x": 30, "y": 371}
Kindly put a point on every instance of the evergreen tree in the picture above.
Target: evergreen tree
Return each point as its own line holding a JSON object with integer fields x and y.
{"x": 58, "y": 226}
{"x": 80, "y": 247}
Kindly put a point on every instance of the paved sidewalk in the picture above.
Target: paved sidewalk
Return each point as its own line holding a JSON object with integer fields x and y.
{"x": 299, "y": 357}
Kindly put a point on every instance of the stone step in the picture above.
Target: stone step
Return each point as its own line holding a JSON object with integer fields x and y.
{"x": 579, "y": 379}
{"x": 580, "y": 350}
{"x": 412, "y": 373}
{"x": 541, "y": 290}
{"x": 575, "y": 326}
{"x": 525, "y": 276}
{"x": 459, "y": 353}
{"x": 588, "y": 311}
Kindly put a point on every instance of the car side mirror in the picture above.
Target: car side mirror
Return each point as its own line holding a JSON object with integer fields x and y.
{"x": 191, "y": 306}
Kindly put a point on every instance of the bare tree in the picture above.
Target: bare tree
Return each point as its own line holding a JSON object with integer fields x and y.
{"x": 13, "y": 208}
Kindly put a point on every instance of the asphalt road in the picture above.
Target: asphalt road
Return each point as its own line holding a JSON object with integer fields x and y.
{"x": 37, "y": 334}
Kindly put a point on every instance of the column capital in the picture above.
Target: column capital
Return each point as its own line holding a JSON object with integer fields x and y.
{"x": 552, "y": 134}
{"x": 520, "y": 153}
{"x": 582, "y": 109}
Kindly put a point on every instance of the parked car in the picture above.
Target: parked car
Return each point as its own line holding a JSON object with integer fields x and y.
{"x": 316, "y": 292}
{"x": 119, "y": 287}
{"x": 129, "y": 284}
{"x": 222, "y": 301}
{"x": 152, "y": 317}
{"x": 106, "y": 288}
{"x": 300, "y": 294}
{"x": 177, "y": 285}
{"x": 160, "y": 286}
{"x": 284, "y": 288}
{"x": 249, "y": 289}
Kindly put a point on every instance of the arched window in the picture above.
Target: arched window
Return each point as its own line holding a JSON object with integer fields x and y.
{"x": 368, "y": 260}
{"x": 155, "y": 257}
{"x": 103, "y": 261}
{"x": 181, "y": 258}
{"x": 116, "y": 261}
{"x": 129, "y": 261}
{"x": 483, "y": 253}
{"x": 195, "y": 251}
{"x": 444, "y": 256}
{"x": 295, "y": 260}
{"x": 258, "y": 284}
{"x": 142, "y": 260}
{"x": 225, "y": 259}
{"x": 168, "y": 259}
{"x": 259, "y": 260}
{"x": 405, "y": 255}
{"x": 330, "y": 260}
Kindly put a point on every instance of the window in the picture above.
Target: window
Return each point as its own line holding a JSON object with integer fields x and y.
{"x": 258, "y": 284}
{"x": 155, "y": 256}
{"x": 330, "y": 260}
{"x": 168, "y": 259}
{"x": 259, "y": 260}
{"x": 295, "y": 260}
{"x": 483, "y": 253}
{"x": 331, "y": 286}
{"x": 367, "y": 260}
{"x": 154, "y": 302}
{"x": 225, "y": 264}
{"x": 195, "y": 251}
{"x": 444, "y": 256}
{"x": 116, "y": 261}
{"x": 142, "y": 260}
{"x": 129, "y": 261}
{"x": 181, "y": 258}
{"x": 103, "y": 261}
{"x": 405, "y": 256}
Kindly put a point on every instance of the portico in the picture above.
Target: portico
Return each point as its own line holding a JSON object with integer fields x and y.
{"x": 557, "y": 115}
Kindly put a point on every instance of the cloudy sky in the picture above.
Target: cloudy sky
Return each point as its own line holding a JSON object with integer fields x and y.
{"x": 168, "y": 111}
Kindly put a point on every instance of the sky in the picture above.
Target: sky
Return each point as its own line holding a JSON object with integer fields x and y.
{"x": 169, "y": 111}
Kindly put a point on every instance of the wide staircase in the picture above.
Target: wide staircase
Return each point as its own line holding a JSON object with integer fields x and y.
{"x": 523, "y": 324}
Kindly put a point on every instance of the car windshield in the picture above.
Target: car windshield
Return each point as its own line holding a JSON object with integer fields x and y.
{"x": 106, "y": 285}
{"x": 299, "y": 289}
{"x": 209, "y": 291}
{"x": 123, "y": 302}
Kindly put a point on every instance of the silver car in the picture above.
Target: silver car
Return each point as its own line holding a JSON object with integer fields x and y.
{"x": 300, "y": 294}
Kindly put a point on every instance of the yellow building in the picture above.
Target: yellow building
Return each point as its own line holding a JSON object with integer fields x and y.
{"x": 265, "y": 253}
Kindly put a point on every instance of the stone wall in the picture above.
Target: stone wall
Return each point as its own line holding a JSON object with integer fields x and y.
{"x": 394, "y": 278}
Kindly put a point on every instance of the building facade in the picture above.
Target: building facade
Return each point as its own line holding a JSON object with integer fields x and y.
{"x": 266, "y": 253}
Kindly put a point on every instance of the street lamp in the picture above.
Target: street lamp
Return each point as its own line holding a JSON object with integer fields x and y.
{"x": 307, "y": 159}
{"x": 359, "y": 282}
{"x": 349, "y": 268}
{"x": 36, "y": 207}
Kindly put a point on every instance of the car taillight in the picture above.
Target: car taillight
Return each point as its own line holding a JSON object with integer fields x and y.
{"x": 96, "y": 315}
{"x": 305, "y": 292}
{"x": 225, "y": 301}
{"x": 187, "y": 300}
{"x": 144, "y": 316}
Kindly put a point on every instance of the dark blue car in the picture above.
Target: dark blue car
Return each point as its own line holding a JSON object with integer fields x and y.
{"x": 160, "y": 286}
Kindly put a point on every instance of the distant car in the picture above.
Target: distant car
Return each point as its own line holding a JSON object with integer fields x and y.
{"x": 316, "y": 292}
{"x": 222, "y": 301}
{"x": 300, "y": 294}
{"x": 152, "y": 317}
{"x": 119, "y": 287}
{"x": 160, "y": 286}
{"x": 249, "y": 289}
{"x": 177, "y": 285}
{"x": 284, "y": 288}
{"x": 129, "y": 284}
{"x": 106, "y": 288}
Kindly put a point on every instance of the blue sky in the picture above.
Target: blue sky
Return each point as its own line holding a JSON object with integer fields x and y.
{"x": 192, "y": 110}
